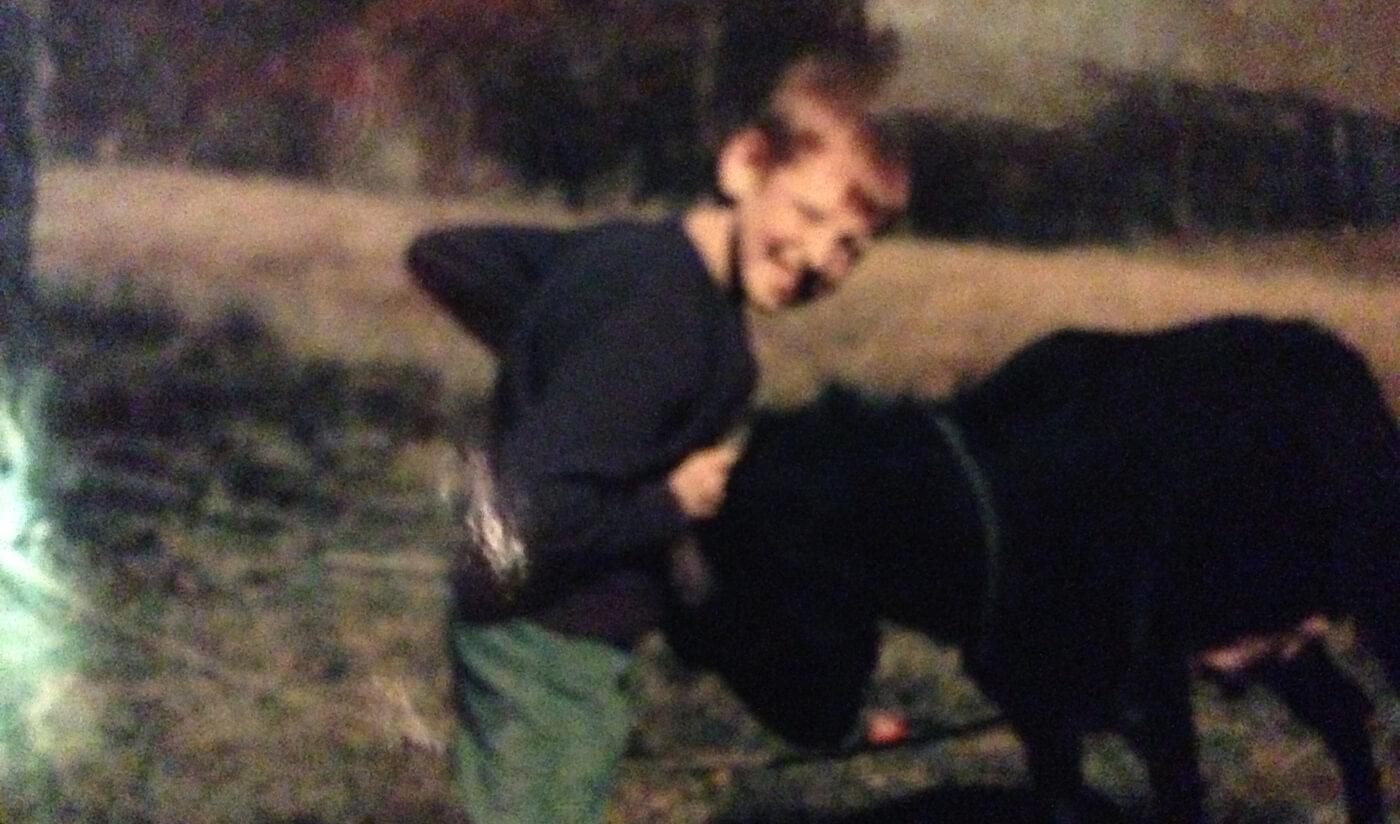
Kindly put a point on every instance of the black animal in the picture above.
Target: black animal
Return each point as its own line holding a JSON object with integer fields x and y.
{"x": 1087, "y": 523}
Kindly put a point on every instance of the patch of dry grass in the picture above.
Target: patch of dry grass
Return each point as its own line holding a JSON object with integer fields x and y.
{"x": 324, "y": 268}
{"x": 925, "y": 315}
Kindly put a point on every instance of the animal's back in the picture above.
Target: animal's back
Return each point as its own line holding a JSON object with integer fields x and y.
{"x": 1225, "y": 453}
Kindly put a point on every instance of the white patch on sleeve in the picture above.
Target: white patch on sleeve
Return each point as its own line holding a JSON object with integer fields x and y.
{"x": 490, "y": 526}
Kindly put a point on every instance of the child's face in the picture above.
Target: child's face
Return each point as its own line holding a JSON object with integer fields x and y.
{"x": 805, "y": 223}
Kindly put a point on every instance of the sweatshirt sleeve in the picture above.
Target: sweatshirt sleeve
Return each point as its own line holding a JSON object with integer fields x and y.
{"x": 589, "y": 453}
{"x": 483, "y": 275}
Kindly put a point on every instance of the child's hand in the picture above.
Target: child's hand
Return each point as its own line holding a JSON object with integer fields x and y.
{"x": 699, "y": 481}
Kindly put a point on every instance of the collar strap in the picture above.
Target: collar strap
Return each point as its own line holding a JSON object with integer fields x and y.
{"x": 985, "y": 503}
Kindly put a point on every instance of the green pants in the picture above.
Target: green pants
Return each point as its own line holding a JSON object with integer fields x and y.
{"x": 544, "y": 722}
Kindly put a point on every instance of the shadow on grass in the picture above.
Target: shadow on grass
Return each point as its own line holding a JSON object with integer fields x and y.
{"x": 953, "y": 805}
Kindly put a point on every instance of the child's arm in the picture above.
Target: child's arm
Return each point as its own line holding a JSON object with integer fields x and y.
{"x": 483, "y": 275}
{"x": 593, "y": 445}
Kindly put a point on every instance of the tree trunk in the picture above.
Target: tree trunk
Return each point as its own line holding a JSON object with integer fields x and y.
{"x": 16, "y": 165}
{"x": 19, "y": 348}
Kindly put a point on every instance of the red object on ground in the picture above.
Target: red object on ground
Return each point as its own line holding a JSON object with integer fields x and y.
{"x": 884, "y": 728}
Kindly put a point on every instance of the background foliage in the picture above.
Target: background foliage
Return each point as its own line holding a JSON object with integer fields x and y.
{"x": 394, "y": 92}
{"x": 593, "y": 99}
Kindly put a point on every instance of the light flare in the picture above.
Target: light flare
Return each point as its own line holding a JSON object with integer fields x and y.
{"x": 23, "y": 530}
{"x": 30, "y": 646}
{"x": 16, "y": 506}
{"x": 491, "y": 532}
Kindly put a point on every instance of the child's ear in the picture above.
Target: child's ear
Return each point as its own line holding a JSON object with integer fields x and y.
{"x": 742, "y": 163}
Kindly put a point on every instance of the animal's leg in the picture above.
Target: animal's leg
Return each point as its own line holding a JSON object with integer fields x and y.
{"x": 1369, "y": 544}
{"x": 1326, "y": 699}
{"x": 1164, "y": 733}
{"x": 1383, "y": 642}
{"x": 1157, "y": 693}
{"x": 1053, "y": 753}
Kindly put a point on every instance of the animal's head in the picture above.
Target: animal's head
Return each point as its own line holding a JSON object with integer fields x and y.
{"x": 795, "y": 469}
{"x": 852, "y": 500}
{"x": 792, "y": 623}
{"x": 816, "y": 475}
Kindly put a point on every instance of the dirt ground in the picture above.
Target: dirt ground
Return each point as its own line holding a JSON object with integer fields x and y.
{"x": 231, "y": 604}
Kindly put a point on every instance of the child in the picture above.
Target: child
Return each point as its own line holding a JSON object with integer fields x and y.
{"x": 618, "y": 379}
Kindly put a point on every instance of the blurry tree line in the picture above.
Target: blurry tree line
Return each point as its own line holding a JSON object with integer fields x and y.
{"x": 594, "y": 96}
{"x": 1160, "y": 156}
{"x": 449, "y": 95}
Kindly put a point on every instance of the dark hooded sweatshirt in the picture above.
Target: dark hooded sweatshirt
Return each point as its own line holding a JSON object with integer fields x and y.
{"x": 624, "y": 358}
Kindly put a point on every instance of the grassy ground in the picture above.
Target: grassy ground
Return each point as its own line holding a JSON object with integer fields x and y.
{"x": 237, "y": 615}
